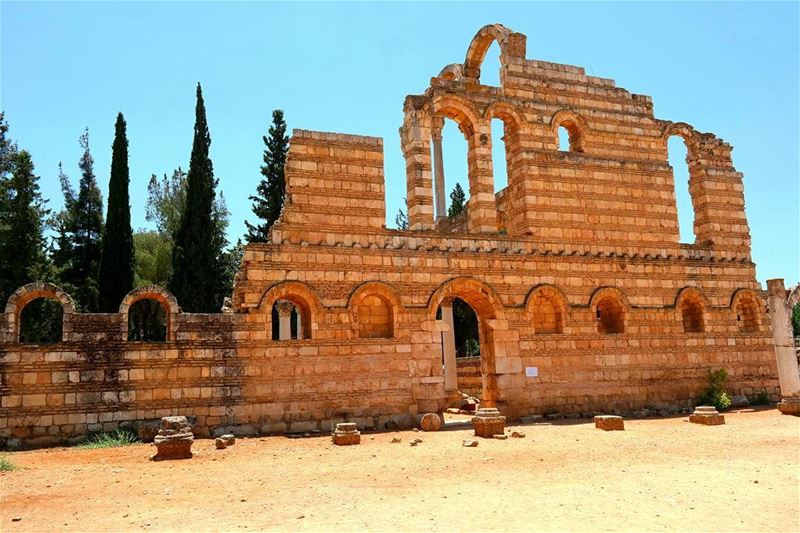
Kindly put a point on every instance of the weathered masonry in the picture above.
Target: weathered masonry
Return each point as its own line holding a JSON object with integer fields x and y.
{"x": 586, "y": 300}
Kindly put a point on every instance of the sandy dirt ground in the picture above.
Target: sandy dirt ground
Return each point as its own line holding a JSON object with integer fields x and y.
{"x": 657, "y": 475}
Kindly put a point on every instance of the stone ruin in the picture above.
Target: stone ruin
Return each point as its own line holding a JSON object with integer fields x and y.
{"x": 586, "y": 299}
{"x": 174, "y": 439}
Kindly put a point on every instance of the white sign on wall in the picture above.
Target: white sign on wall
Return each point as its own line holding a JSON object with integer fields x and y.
{"x": 531, "y": 371}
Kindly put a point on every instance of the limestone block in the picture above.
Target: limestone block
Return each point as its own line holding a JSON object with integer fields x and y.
{"x": 790, "y": 406}
{"x": 609, "y": 423}
{"x": 707, "y": 416}
{"x": 346, "y": 434}
{"x": 174, "y": 439}
{"x": 488, "y": 422}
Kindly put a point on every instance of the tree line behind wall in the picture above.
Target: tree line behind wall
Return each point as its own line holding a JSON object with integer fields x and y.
{"x": 98, "y": 260}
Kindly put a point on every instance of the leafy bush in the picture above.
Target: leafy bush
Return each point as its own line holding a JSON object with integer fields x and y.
{"x": 6, "y": 465}
{"x": 473, "y": 348}
{"x": 762, "y": 398}
{"x": 118, "y": 437}
{"x": 715, "y": 391}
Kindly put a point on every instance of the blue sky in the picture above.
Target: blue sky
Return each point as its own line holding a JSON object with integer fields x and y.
{"x": 726, "y": 68}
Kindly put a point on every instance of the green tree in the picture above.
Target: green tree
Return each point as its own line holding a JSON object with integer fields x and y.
{"x": 796, "y": 320}
{"x": 197, "y": 254}
{"x": 401, "y": 218}
{"x": 458, "y": 202}
{"x": 79, "y": 231}
{"x": 22, "y": 212}
{"x": 117, "y": 259}
{"x": 271, "y": 190}
{"x": 165, "y": 202}
{"x": 153, "y": 258}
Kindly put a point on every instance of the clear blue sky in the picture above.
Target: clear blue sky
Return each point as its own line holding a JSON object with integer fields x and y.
{"x": 726, "y": 68}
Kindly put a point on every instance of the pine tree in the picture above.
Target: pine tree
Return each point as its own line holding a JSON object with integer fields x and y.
{"x": 457, "y": 202}
{"x": 196, "y": 255}
{"x": 80, "y": 229}
{"x": 796, "y": 320}
{"x": 271, "y": 191}
{"x": 401, "y": 218}
{"x": 22, "y": 213}
{"x": 116, "y": 263}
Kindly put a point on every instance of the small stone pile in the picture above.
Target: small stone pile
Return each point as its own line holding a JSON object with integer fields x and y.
{"x": 706, "y": 415}
{"x": 488, "y": 422}
{"x": 174, "y": 439}
{"x": 346, "y": 434}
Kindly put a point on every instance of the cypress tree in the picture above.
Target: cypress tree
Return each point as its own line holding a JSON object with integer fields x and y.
{"x": 195, "y": 256}
{"x": 80, "y": 229}
{"x": 116, "y": 263}
{"x": 457, "y": 202}
{"x": 271, "y": 191}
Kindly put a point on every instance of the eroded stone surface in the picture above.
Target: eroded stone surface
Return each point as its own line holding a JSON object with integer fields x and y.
{"x": 488, "y": 422}
{"x": 430, "y": 422}
{"x": 346, "y": 434}
{"x": 609, "y": 422}
{"x": 174, "y": 439}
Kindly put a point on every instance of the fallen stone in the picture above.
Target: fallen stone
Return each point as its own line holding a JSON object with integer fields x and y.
{"x": 739, "y": 400}
{"x": 229, "y": 439}
{"x": 395, "y": 440}
{"x": 500, "y": 437}
{"x": 346, "y": 434}
{"x": 430, "y": 422}
{"x": 518, "y": 434}
{"x": 706, "y": 415}
{"x": 488, "y": 422}
{"x": 219, "y": 442}
{"x": 469, "y": 443}
{"x": 174, "y": 439}
{"x": 609, "y": 423}
{"x": 414, "y": 442}
{"x": 790, "y": 406}
{"x": 453, "y": 410}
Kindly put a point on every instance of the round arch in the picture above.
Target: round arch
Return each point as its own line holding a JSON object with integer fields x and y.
{"x": 576, "y": 126}
{"x": 683, "y": 130}
{"x": 512, "y": 45}
{"x": 746, "y": 308}
{"x": 302, "y": 296}
{"x": 151, "y": 292}
{"x": 33, "y": 291}
{"x": 611, "y": 308}
{"x": 560, "y": 305}
{"x": 459, "y": 109}
{"x": 381, "y": 290}
{"x": 452, "y": 72}
{"x": 478, "y": 294}
{"x": 690, "y": 306}
{"x": 506, "y": 112}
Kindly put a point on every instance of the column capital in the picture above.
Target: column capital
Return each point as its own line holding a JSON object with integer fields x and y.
{"x": 284, "y": 308}
{"x": 437, "y": 123}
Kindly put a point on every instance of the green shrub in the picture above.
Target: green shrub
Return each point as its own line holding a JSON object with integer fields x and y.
{"x": 6, "y": 465}
{"x": 715, "y": 391}
{"x": 118, "y": 437}
{"x": 762, "y": 398}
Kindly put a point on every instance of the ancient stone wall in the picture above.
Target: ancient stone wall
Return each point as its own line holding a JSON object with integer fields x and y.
{"x": 585, "y": 299}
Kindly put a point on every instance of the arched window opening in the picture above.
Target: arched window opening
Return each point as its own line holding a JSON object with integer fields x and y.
{"x": 41, "y": 321}
{"x": 287, "y": 322}
{"x": 147, "y": 321}
{"x": 610, "y": 315}
{"x": 678, "y": 155}
{"x": 500, "y": 161}
{"x": 747, "y": 314}
{"x": 454, "y": 171}
{"x": 375, "y": 318}
{"x": 490, "y": 68}
{"x": 546, "y": 314}
{"x": 692, "y": 315}
{"x": 569, "y": 137}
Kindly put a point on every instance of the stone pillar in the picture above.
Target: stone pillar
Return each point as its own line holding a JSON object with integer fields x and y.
{"x": 299, "y": 325}
{"x": 449, "y": 349}
{"x": 285, "y": 320}
{"x": 438, "y": 168}
{"x": 415, "y": 141}
{"x": 481, "y": 206}
{"x": 788, "y": 375}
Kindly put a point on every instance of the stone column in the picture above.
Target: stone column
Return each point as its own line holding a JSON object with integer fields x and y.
{"x": 299, "y": 325}
{"x": 449, "y": 349}
{"x": 438, "y": 167}
{"x": 285, "y": 320}
{"x": 788, "y": 375}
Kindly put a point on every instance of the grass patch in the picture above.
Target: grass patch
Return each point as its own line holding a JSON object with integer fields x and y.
{"x": 6, "y": 465}
{"x": 118, "y": 437}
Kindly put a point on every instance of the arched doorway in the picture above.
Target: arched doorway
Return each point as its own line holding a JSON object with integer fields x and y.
{"x": 479, "y": 299}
